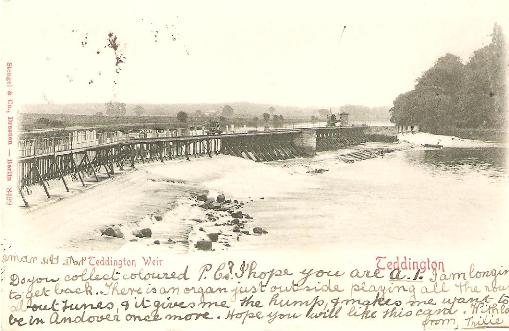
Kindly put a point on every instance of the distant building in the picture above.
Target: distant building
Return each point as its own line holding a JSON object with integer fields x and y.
{"x": 343, "y": 119}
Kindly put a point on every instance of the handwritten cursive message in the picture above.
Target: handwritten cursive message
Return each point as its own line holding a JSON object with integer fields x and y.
{"x": 92, "y": 290}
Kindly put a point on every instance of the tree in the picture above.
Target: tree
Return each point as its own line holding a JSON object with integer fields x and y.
{"x": 57, "y": 124}
{"x": 277, "y": 120}
{"x": 42, "y": 122}
{"x": 314, "y": 119}
{"x": 115, "y": 108}
{"x": 272, "y": 110}
{"x": 323, "y": 112}
{"x": 223, "y": 121}
{"x": 266, "y": 117}
{"x": 198, "y": 114}
{"x": 227, "y": 111}
{"x": 182, "y": 116}
{"x": 254, "y": 122}
{"x": 422, "y": 107}
{"x": 402, "y": 112}
{"x": 451, "y": 94}
{"x": 483, "y": 97}
{"x": 433, "y": 103}
{"x": 139, "y": 110}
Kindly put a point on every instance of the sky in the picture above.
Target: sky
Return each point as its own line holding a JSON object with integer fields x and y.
{"x": 277, "y": 52}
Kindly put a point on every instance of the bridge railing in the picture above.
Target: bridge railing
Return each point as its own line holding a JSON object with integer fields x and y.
{"x": 73, "y": 140}
{"x": 80, "y": 139}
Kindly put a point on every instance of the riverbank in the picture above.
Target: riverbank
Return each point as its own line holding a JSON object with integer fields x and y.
{"x": 422, "y": 138}
{"x": 489, "y": 135}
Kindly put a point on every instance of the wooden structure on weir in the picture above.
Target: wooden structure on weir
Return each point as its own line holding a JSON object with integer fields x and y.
{"x": 90, "y": 161}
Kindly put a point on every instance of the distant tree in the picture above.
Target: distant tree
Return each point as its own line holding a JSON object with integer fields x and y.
{"x": 110, "y": 108}
{"x": 254, "y": 122}
{"x": 227, "y": 111}
{"x": 57, "y": 124}
{"x": 277, "y": 120}
{"x": 198, "y": 114}
{"x": 323, "y": 112}
{"x": 115, "y": 109}
{"x": 182, "y": 116}
{"x": 122, "y": 109}
{"x": 272, "y": 110}
{"x": 99, "y": 113}
{"x": 223, "y": 120}
{"x": 42, "y": 122}
{"x": 139, "y": 110}
{"x": 314, "y": 119}
{"x": 266, "y": 117}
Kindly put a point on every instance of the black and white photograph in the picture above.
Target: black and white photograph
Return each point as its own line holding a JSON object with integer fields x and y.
{"x": 336, "y": 164}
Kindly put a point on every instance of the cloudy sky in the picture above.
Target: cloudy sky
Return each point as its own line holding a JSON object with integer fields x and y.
{"x": 280, "y": 52}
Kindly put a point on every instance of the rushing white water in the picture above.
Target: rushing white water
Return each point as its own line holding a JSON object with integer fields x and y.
{"x": 413, "y": 198}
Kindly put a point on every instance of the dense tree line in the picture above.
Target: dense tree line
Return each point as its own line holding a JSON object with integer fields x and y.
{"x": 455, "y": 95}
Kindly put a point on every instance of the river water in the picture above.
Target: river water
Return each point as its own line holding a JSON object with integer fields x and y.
{"x": 414, "y": 198}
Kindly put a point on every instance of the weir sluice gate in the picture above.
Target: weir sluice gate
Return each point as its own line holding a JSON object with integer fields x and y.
{"x": 58, "y": 163}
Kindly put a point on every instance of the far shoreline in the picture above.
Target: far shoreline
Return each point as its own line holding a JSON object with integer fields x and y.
{"x": 487, "y": 135}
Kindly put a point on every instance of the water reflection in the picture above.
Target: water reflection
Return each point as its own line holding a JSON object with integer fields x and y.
{"x": 487, "y": 161}
{"x": 430, "y": 199}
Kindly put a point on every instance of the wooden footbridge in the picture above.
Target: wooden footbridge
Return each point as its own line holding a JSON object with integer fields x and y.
{"x": 102, "y": 160}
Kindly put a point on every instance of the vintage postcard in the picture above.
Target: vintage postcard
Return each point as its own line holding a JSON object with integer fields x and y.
{"x": 255, "y": 165}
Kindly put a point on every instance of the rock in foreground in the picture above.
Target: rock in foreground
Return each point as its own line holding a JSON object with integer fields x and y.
{"x": 221, "y": 198}
{"x": 112, "y": 232}
{"x": 258, "y": 230}
{"x": 213, "y": 236}
{"x": 143, "y": 233}
{"x": 203, "y": 245}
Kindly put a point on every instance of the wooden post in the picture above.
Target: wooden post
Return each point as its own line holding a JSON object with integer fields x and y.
{"x": 89, "y": 165}
{"x": 77, "y": 170}
{"x": 23, "y": 197}
{"x": 41, "y": 180}
{"x": 142, "y": 152}
{"x": 111, "y": 158}
{"x": 60, "y": 172}
{"x": 160, "y": 147}
{"x": 132, "y": 154}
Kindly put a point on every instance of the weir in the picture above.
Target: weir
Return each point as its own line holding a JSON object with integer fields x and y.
{"x": 334, "y": 138}
{"x": 57, "y": 163}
